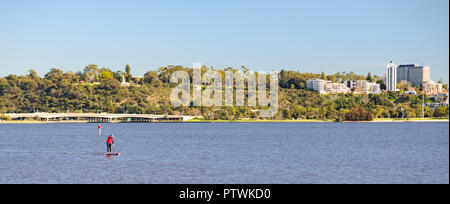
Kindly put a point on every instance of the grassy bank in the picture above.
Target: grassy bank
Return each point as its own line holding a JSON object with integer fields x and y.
{"x": 411, "y": 120}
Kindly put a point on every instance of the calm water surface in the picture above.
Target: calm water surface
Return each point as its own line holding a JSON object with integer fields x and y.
{"x": 226, "y": 153}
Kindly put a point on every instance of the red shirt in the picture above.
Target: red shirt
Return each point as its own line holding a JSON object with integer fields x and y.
{"x": 109, "y": 140}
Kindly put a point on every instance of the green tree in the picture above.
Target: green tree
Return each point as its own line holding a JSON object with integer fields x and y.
{"x": 403, "y": 86}
{"x": 323, "y": 76}
{"x": 106, "y": 76}
{"x": 369, "y": 77}
{"x": 357, "y": 113}
{"x": 151, "y": 78}
{"x": 442, "y": 112}
{"x": 128, "y": 75}
{"x": 4, "y": 117}
{"x": 91, "y": 73}
{"x": 33, "y": 74}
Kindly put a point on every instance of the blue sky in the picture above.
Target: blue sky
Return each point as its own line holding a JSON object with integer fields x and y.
{"x": 307, "y": 36}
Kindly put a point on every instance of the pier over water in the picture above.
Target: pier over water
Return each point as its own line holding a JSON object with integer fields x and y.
{"x": 98, "y": 118}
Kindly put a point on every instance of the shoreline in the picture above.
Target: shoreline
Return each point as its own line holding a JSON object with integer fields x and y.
{"x": 415, "y": 120}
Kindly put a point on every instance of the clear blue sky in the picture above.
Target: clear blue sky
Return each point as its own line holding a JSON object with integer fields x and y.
{"x": 308, "y": 36}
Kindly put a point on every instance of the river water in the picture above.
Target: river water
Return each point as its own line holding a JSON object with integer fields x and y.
{"x": 224, "y": 153}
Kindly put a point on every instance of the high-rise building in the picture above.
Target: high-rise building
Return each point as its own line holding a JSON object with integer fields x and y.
{"x": 402, "y": 73}
{"x": 414, "y": 74}
{"x": 391, "y": 77}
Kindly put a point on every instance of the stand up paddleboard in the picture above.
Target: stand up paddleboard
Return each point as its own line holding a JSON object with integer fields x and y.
{"x": 112, "y": 154}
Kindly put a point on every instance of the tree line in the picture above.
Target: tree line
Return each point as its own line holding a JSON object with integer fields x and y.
{"x": 97, "y": 90}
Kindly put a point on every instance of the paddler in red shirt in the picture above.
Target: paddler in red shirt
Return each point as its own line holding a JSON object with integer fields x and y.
{"x": 109, "y": 143}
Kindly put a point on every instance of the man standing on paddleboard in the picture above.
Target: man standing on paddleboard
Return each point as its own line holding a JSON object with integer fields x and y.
{"x": 109, "y": 143}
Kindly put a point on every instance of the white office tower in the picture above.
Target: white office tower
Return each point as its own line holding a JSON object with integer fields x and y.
{"x": 391, "y": 77}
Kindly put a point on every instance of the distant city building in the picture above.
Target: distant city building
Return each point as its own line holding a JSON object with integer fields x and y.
{"x": 411, "y": 91}
{"x": 391, "y": 77}
{"x": 414, "y": 74}
{"x": 316, "y": 85}
{"x": 436, "y": 105}
{"x": 340, "y": 88}
{"x": 350, "y": 84}
{"x": 431, "y": 88}
{"x": 363, "y": 87}
{"x": 441, "y": 98}
{"x": 375, "y": 88}
{"x": 402, "y": 73}
{"x": 368, "y": 87}
{"x": 326, "y": 87}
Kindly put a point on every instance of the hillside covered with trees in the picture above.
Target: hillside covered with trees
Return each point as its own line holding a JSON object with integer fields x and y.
{"x": 99, "y": 90}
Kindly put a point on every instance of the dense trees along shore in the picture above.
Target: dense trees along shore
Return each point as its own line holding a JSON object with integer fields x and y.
{"x": 100, "y": 90}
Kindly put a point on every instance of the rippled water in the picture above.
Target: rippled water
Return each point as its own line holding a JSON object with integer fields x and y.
{"x": 226, "y": 153}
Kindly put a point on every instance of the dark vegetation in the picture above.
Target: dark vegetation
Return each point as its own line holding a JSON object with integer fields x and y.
{"x": 99, "y": 90}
